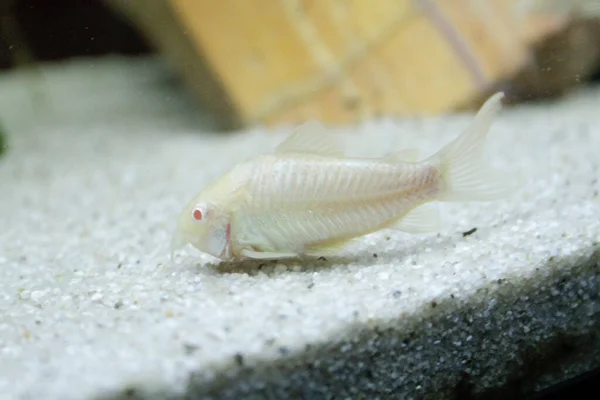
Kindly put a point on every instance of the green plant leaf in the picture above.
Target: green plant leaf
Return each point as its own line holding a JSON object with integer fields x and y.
{"x": 3, "y": 144}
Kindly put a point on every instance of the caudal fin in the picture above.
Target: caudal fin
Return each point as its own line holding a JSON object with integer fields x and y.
{"x": 465, "y": 175}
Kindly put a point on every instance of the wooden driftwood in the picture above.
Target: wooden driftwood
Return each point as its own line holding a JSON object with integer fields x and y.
{"x": 339, "y": 61}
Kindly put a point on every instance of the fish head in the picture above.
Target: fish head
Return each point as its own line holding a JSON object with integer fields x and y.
{"x": 203, "y": 225}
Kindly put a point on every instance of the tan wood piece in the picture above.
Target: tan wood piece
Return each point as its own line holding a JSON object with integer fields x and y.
{"x": 339, "y": 61}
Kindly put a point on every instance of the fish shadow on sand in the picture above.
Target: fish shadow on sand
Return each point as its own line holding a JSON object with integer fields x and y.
{"x": 363, "y": 257}
{"x": 252, "y": 267}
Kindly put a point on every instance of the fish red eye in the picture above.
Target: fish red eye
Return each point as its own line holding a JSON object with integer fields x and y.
{"x": 197, "y": 214}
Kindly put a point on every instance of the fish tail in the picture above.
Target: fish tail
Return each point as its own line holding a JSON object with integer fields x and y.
{"x": 464, "y": 174}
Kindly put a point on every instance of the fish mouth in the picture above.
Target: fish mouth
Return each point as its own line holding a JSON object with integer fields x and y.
{"x": 178, "y": 241}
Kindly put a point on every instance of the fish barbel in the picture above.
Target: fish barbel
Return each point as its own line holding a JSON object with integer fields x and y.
{"x": 306, "y": 198}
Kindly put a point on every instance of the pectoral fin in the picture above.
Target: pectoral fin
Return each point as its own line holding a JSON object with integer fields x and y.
{"x": 265, "y": 255}
{"x": 327, "y": 248}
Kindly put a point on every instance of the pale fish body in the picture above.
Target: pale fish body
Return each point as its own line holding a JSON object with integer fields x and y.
{"x": 308, "y": 198}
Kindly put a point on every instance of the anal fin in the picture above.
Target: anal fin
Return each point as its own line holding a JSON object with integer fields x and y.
{"x": 422, "y": 219}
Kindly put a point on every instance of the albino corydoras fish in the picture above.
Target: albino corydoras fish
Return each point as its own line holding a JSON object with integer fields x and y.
{"x": 306, "y": 198}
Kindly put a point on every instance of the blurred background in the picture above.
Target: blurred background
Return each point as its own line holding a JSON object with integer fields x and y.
{"x": 339, "y": 61}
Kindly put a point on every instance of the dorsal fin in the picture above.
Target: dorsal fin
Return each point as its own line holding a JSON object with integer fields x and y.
{"x": 406, "y": 155}
{"x": 310, "y": 137}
